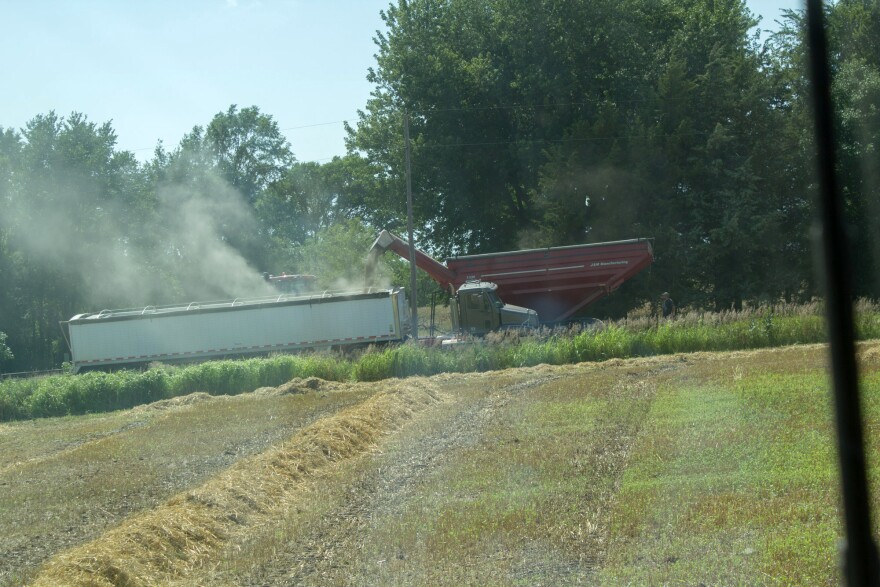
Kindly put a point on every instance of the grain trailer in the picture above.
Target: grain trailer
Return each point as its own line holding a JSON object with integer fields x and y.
{"x": 202, "y": 330}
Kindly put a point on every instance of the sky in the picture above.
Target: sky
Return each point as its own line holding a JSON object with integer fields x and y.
{"x": 157, "y": 68}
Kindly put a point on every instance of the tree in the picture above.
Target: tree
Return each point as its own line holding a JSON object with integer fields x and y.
{"x": 337, "y": 254}
{"x": 250, "y": 151}
{"x": 5, "y": 353}
{"x": 485, "y": 87}
{"x": 854, "y": 33}
{"x": 299, "y": 204}
{"x": 69, "y": 202}
{"x": 10, "y": 152}
{"x": 219, "y": 190}
{"x": 676, "y": 147}
{"x": 587, "y": 121}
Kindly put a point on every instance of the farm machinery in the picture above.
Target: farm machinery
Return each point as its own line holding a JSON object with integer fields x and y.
{"x": 517, "y": 289}
{"x": 527, "y": 287}
{"x": 244, "y": 326}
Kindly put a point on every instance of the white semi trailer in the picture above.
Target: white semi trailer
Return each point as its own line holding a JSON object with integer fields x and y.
{"x": 243, "y": 326}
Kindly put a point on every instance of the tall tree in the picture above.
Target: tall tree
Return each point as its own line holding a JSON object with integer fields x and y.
{"x": 579, "y": 121}
{"x": 854, "y": 33}
{"x": 250, "y": 151}
{"x": 294, "y": 209}
{"x": 488, "y": 86}
{"x": 68, "y": 204}
{"x": 219, "y": 178}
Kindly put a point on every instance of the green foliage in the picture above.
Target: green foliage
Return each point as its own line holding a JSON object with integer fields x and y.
{"x": 741, "y": 463}
{"x": 62, "y": 182}
{"x": 5, "y": 353}
{"x": 251, "y": 153}
{"x": 84, "y": 226}
{"x": 692, "y": 332}
{"x": 573, "y": 122}
{"x": 92, "y": 392}
{"x": 584, "y": 122}
{"x": 338, "y": 254}
{"x": 61, "y": 395}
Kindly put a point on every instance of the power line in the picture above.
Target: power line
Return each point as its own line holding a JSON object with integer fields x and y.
{"x": 556, "y": 105}
{"x": 566, "y": 140}
{"x": 314, "y": 125}
{"x": 587, "y": 102}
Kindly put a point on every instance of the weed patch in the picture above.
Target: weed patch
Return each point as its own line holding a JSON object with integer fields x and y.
{"x": 692, "y": 332}
{"x": 740, "y": 472}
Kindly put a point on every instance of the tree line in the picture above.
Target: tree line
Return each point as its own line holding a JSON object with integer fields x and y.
{"x": 532, "y": 125}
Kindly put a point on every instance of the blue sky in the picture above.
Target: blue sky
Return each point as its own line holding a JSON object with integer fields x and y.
{"x": 157, "y": 68}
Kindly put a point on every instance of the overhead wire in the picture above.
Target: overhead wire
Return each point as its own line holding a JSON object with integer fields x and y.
{"x": 545, "y": 106}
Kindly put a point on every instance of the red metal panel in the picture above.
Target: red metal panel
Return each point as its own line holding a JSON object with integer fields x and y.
{"x": 556, "y": 282}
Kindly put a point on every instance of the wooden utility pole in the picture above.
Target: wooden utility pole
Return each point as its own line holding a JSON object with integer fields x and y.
{"x": 414, "y": 304}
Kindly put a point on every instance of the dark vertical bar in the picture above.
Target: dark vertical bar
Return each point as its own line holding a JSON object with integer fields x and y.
{"x": 860, "y": 553}
{"x": 433, "y": 313}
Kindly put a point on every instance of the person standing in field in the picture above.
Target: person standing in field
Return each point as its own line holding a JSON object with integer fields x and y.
{"x": 667, "y": 305}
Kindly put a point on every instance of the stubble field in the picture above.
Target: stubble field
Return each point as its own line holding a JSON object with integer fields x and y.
{"x": 713, "y": 468}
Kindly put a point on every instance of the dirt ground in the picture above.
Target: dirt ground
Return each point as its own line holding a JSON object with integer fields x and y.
{"x": 65, "y": 482}
{"x": 330, "y": 545}
{"x": 68, "y": 480}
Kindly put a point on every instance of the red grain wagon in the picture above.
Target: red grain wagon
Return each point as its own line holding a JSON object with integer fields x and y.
{"x": 556, "y": 282}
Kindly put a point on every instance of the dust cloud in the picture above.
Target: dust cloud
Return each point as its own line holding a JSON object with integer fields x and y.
{"x": 120, "y": 252}
{"x": 199, "y": 226}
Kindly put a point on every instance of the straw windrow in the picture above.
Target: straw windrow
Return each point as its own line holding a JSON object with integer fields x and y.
{"x": 189, "y": 531}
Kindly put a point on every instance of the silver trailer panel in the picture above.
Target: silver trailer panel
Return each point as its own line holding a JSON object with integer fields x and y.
{"x": 216, "y": 329}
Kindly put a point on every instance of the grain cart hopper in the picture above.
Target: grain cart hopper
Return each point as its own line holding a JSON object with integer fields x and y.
{"x": 556, "y": 282}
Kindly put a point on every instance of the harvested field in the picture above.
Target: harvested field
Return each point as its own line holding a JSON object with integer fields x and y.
{"x": 183, "y": 535}
{"x": 65, "y": 481}
{"x": 654, "y": 470}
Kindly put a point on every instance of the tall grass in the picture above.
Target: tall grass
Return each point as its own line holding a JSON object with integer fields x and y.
{"x": 61, "y": 395}
{"x": 636, "y": 336}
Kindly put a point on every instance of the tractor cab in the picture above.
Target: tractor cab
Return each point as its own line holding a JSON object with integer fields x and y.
{"x": 477, "y": 309}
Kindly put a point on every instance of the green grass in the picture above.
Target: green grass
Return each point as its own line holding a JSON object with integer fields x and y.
{"x": 62, "y": 395}
{"x": 525, "y": 503}
{"x": 740, "y": 473}
{"x": 715, "y": 469}
{"x": 749, "y": 329}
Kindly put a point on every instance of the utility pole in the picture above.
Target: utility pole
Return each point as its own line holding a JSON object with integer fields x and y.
{"x": 414, "y": 305}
